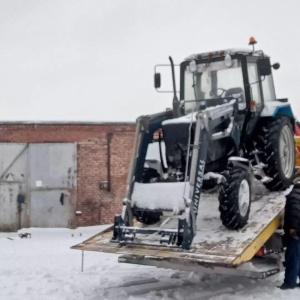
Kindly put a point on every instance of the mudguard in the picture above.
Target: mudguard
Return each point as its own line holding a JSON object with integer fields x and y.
{"x": 273, "y": 108}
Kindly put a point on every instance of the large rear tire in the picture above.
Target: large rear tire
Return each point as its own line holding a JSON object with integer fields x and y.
{"x": 276, "y": 141}
{"x": 235, "y": 198}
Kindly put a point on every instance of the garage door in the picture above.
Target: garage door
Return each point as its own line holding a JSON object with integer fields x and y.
{"x": 45, "y": 174}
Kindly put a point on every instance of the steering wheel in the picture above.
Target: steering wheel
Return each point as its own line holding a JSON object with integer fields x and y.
{"x": 218, "y": 96}
{"x": 223, "y": 92}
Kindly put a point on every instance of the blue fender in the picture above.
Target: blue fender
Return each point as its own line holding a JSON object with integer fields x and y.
{"x": 274, "y": 108}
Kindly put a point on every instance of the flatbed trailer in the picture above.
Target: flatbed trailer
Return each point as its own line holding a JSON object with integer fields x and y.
{"x": 215, "y": 248}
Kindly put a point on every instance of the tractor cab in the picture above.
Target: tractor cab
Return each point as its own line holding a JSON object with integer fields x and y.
{"x": 214, "y": 78}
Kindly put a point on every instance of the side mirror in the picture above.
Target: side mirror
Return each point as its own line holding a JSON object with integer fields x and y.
{"x": 264, "y": 66}
{"x": 276, "y": 66}
{"x": 157, "y": 80}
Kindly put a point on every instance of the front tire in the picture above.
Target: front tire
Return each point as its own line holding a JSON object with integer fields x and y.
{"x": 235, "y": 198}
{"x": 277, "y": 144}
{"x": 147, "y": 217}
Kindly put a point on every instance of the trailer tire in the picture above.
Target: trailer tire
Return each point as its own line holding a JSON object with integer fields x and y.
{"x": 235, "y": 198}
{"x": 147, "y": 217}
{"x": 276, "y": 141}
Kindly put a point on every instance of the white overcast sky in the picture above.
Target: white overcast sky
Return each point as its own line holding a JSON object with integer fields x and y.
{"x": 93, "y": 60}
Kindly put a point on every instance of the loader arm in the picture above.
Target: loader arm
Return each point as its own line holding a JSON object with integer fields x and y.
{"x": 203, "y": 134}
{"x": 181, "y": 235}
{"x": 146, "y": 125}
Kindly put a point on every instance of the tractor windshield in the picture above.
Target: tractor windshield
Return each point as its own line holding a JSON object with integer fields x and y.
{"x": 210, "y": 82}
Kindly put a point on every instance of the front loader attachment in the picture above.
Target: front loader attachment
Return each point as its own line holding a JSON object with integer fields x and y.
{"x": 167, "y": 233}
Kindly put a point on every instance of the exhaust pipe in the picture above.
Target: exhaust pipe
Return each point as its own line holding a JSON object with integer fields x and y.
{"x": 176, "y": 103}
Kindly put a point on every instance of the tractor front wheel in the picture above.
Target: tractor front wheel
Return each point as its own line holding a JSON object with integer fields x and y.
{"x": 235, "y": 198}
{"x": 147, "y": 217}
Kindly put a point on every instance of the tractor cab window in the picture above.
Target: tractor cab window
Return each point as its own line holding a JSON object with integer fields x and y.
{"x": 268, "y": 88}
{"x": 213, "y": 83}
{"x": 254, "y": 82}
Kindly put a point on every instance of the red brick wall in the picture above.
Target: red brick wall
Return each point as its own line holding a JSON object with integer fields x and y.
{"x": 97, "y": 206}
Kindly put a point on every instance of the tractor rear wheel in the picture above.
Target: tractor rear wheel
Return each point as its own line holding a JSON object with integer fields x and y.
{"x": 235, "y": 198}
{"x": 276, "y": 141}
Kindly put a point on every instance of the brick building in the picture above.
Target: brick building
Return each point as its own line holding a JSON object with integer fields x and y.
{"x": 92, "y": 159}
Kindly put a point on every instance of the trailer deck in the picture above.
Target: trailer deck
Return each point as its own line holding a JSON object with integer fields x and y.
{"x": 214, "y": 245}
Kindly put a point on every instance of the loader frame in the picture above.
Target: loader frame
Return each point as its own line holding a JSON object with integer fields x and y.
{"x": 182, "y": 236}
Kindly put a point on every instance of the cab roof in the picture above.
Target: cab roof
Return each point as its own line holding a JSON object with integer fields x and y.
{"x": 232, "y": 51}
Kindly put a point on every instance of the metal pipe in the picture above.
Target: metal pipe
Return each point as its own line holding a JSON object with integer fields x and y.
{"x": 19, "y": 213}
{"x": 82, "y": 260}
{"x": 109, "y": 138}
{"x": 176, "y": 103}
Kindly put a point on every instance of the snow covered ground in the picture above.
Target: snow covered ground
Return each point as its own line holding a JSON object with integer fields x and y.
{"x": 44, "y": 267}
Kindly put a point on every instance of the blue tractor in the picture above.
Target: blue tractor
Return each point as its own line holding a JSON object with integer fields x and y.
{"x": 226, "y": 130}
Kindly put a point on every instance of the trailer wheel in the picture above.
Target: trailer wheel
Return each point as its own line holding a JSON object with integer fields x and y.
{"x": 147, "y": 217}
{"x": 235, "y": 198}
{"x": 276, "y": 141}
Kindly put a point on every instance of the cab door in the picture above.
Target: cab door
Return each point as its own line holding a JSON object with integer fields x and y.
{"x": 256, "y": 95}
